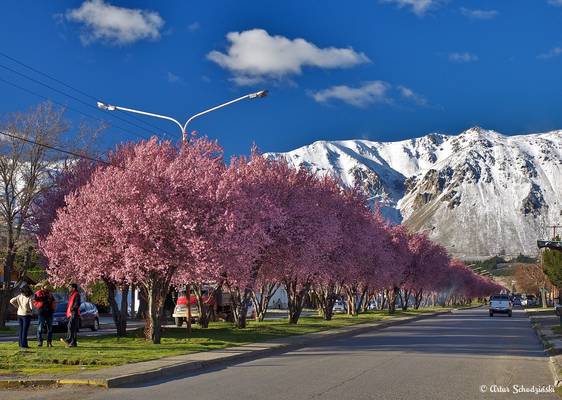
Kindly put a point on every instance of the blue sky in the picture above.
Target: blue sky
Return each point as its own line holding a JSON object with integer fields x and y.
{"x": 377, "y": 69}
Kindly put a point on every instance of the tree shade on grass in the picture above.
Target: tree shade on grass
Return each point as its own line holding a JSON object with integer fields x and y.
{"x": 107, "y": 351}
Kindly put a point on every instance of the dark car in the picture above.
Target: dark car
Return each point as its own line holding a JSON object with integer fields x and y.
{"x": 89, "y": 317}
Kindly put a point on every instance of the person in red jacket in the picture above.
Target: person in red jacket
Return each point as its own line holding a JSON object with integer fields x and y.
{"x": 44, "y": 303}
{"x": 73, "y": 315}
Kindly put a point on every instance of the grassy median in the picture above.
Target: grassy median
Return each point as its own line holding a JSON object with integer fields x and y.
{"x": 106, "y": 351}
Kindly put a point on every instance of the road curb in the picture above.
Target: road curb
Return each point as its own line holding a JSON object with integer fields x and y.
{"x": 549, "y": 350}
{"x": 239, "y": 354}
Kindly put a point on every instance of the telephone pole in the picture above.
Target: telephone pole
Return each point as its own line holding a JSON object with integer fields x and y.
{"x": 554, "y": 227}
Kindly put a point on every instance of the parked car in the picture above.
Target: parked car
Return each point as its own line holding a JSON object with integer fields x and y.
{"x": 558, "y": 309}
{"x": 372, "y": 305}
{"x": 339, "y": 307}
{"x": 89, "y": 317}
{"x": 532, "y": 301}
{"x": 500, "y": 304}
{"x": 517, "y": 301}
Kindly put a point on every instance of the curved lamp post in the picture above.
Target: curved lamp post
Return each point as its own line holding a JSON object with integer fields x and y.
{"x": 183, "y": 128}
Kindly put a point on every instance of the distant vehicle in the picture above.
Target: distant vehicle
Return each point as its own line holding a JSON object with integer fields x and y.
{"x": 500, "y": 304}
{"x": 89, "y": 317}
{"x": 532, "y": 301}
{"x": 372, "y": 306}
{"x": 220, "y": 301}
{"x": 339, "y": 307}
{"x": 517, "y": 302}
{"x": 558, "y": 309}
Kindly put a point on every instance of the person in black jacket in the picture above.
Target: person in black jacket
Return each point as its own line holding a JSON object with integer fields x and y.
{"x": 73, "y": 315}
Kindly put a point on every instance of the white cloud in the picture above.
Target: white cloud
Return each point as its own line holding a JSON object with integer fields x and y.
{"x": 194, "y": 26}
{"x": 254, "y": 55}
{"x": 368, "y": 93}
{"x": 418, "y": 7}
{"x": 173, "y": 78}
{"x": 462, "y": 57}
{"x": 556, "y": 51}
{"x": 556, "y": 3}
{"x": 479, "y": 14}
{"x": 409, "y": 94}
{"x": 115, "y": 25}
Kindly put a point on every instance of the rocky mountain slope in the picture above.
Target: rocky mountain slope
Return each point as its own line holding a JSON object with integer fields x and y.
{"x": 479, "y": 193}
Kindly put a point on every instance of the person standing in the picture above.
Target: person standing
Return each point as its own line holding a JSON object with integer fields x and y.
{"x": 24, "y": 305}
{"x": 73, "y": 315}
{"x": 45, "y": 305}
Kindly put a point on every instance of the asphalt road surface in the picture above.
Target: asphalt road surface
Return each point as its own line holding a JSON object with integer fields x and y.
{"x": 464, "y": 355}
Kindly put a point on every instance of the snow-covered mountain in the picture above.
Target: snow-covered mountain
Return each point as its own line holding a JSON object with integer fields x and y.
{"x": 479, "y": 193}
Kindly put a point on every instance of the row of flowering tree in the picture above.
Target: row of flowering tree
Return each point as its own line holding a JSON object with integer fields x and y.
{"x": 159, "y": 216}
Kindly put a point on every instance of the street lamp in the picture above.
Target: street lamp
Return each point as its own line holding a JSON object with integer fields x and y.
{"x": 183, "y": 128}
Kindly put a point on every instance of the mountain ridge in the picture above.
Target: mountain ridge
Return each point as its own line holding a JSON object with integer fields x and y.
{"x": 479, "y": 193}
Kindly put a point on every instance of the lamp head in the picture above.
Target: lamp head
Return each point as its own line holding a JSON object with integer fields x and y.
{"x": 261, "y": 93}
{"x": 107, "y": 107}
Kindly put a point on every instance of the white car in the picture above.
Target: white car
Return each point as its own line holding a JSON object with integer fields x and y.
{"x": 500, "y": 304}
{"x": 339, "y": 307}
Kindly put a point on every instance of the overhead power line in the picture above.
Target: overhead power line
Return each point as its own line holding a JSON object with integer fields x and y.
{"x": 71, "y": 108}
{"x": 70, "y": 96}
{"x": 48, "y": 146}
{"x": 72, "y": 153}
{"x": 93, "y": 98}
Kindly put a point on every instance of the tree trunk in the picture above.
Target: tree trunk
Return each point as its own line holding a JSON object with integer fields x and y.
{"x": 326, "y": 297}
{"x": 157, "y": 289}
{"x": 361, "y": 304}
{"x": 367, "y": 298}
{"x": 133, "y": 301}
{"x": 142, "y": 312}
{"x": 295, "y": 300}
{"x": 261, "y": 299}
{"x": 418, "y": 296}
{"x": 203, "y": 305}
{"x": 240, "y": 302}
{"x": 392, "y": 296}
{"x": 383, "y": 300}
{"x": 122, "y": 330}
{"x": 405, "y": 300}
{"x": 119, "y": 316}
{"x": 6, "y": 291}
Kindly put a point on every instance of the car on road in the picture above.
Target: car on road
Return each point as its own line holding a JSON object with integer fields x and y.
{"x": 89, "y": 317}
{"x": 500, "y": 304}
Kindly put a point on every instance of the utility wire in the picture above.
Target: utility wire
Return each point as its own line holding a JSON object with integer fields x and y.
{"x": 70, "y": 96}
{"x": 73, "y": 88}
{"x": 70, "y": 108}
{"x": 72, "y": 153}
{"x": 48, "y": 146}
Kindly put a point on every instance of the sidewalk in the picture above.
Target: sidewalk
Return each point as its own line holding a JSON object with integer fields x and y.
{"x": 106, "y": 326}
{"x": 134, "y": 373}
{"x": 547, "y": 326}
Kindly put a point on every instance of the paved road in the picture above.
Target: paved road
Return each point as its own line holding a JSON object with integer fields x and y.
{"x": 446, "y": 357}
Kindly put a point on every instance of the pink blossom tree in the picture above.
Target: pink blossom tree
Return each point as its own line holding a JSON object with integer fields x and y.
{"x": 427, "y": 260}
{"x": 249, "y": 194}
{"x": 140, "y": 221}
